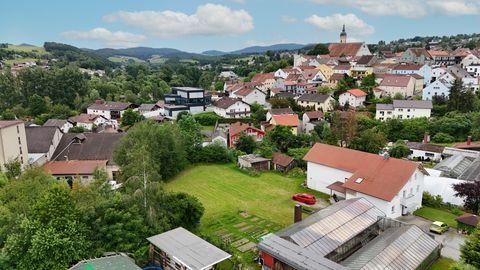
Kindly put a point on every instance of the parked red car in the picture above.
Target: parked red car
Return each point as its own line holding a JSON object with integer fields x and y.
{"x": 304, "y": 198}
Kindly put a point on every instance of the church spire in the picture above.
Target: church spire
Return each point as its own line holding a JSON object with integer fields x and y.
{"x": 343, "y": 35}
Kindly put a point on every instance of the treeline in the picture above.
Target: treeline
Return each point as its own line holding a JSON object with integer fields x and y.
{"x": 67, "y": 55}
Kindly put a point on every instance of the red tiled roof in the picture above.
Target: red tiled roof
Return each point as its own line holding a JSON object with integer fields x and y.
{"x": 396, "y": 81}
{"x": 438, "y": 53}
{"x": 337, "y": 186}
{"x": 342, "y": 67}
{"x": 238, "y": 127}
{"x": 74, "y": 167}
{"x": 276, "y": 90}
{"x": 314, "y": 115}
{"x": 467, "y": 145}
{"x": 84, "y": 118}
{"x": 286, "y": 120}
{"x": 262, "y": 77}
{"x": 243, "y": 92}
{"x": 344, "y": 49}
{"x": 469, "y": 219}
{"x": 281, "y": 159}
{"x": 381, "y": 178}
{"x": 357, "y": 92}
{"x": 420, "y": 51}
{"x": 337, "y": 76}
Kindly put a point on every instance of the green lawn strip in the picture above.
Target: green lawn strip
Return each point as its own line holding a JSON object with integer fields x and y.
{"x": 437, "y": 215}
{"x": 20, "y": 60}
{"x": 442, "y": 264}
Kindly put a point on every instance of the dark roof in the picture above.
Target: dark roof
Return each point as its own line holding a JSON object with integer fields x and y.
{"x": 337, "y": 77}
{"x": 285, "y": 95}
{"x": 189, "y": 249}
{"x": 85, "y": 118}
{"x": 115, "y": 262}
{"x": 280, "y": 111}
{"x": 417, "y": 104}
{"x": 94, "y": 146}
{"x": 381, "y": 106}
{"x": 282, "y": 159}
{"x": 426, "y": 147}
{"x": 226, "y": 102}
{"x": 55, "y": 123}
{"x": 469, "y": 219}
{"x": 313, "y": 98}
{"x": 472, "y": 172}
{"x": 365, "y": 59}
{"x": 188, "y": 89}
{"x": 146, "y": 107}
{"x": 314, "y": 115}
{"x": 7, "y": 123}
{"x": 39, "y": 138}
{"x": 109, "y": 105}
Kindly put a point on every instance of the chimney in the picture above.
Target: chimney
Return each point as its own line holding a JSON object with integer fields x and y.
{"x": 298, "y": 213}
{"x": 99, "y": 101}
{"x": 469, "y": 140}
{"x": 386, "y": 156}
{"x": 426, "y": 138}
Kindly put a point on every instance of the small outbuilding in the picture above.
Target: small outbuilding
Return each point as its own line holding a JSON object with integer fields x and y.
{"x": 111, "y": 262}
{"x": 467, "y": 222}
{"x": 181, "y": 249}
{"x": 254, "y": 162}
{"x": 282, "y": 162}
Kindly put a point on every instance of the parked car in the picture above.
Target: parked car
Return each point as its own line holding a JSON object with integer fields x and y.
{"x": 438, "y": 227}
{"x": 304, "y": 198}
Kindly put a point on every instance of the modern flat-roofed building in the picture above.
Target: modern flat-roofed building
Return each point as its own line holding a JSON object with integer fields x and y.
{"x": 185, "y": 99}
{"x": 13, "y": 143}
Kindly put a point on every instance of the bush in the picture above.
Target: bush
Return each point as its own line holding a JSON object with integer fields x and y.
{"x": 207, "y": 119}
{"x": 216, "y": 153}
{"x": 431, "y": 200}
{"x": 441, "y": 137}
{"x": 296, "y": 173}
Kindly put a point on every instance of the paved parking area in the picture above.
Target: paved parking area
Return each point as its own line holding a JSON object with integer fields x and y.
{"x": 450, "y": 240}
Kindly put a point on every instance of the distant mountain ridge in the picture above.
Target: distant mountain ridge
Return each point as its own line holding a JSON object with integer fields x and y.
{"x": 146, "y": 53}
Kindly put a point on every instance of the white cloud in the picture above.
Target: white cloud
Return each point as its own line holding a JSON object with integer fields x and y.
{"x": 288, "y": 19}
{"x": 455, "y": 7}
{"x": 251, "y": 42}
{"x": 354, "y": 25}
{"x": 208, "y": 20}
{"x": 106, "y": 37}
{"x": 409, "y": 8}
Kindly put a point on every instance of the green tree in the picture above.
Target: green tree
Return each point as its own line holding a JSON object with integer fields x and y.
{"x": 206, "y": 80}
{"x": 324, "y": 90}
{"x": 53, "y": 238}
{"x": 259, "y": 114}
{"x": 192, "y": 135}
{"x": 470, "y": 251}
{"x": 13, "y": 168}
{"x": 442, "y": 137}
{"x": 246, "y": 143}
{"x": 37, "y": 105}
{"x": 371, "y": 141}
{"x": 399, "y": 150}
{"x": 455, "y": 97}
{"x": 368, "y": 84}
{"x": 281, "y": 137}
{"x": 130, "y": 118}
{"x": 319, "y": 49}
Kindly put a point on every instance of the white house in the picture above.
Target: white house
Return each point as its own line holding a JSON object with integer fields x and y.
{"x": 63, "y": 125}
{"x": 396, "y": 84}
{"x": 88, "y": 121}
{"x": 469, "y": 60}
{"x": 407, "y": 69}
{"x": 228, "y": 75}
{"x": 437, "y": 73}
{"x": 425, "y": 151}
{"x": 311, "y": 119}
{"x": 250, "y": 96}
{"x": 474, "y": 70}
{"x": 437, "y": 88}
{"x": 354, "y": 97}
{"x": 109, "y": 109}
{"x": 231, "y": 108}
{"x": 404, "y": 109}
{"x": 395, "y": 186}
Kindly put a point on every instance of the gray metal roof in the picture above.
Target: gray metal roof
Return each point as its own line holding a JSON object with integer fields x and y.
{"x": 415, "y": 104}
{"x": 331, "y": 227}
{"x": 381, "y": 106}
{"x": 188, "y": 89}
{"x": 472, "y": 173}
{"x": 455, "y": 166}
{"x": 115, "y": 262}
{"x": 191, "y": 250}
{"x": 399, "y": 248}
{"x": 295, "y": 256}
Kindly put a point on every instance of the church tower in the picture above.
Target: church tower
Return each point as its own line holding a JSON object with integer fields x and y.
{"x": 343, "y": 35}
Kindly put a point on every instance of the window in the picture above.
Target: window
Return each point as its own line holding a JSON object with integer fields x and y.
{"x": 21, "y": 152}
{"x": 393, "y": 209}
{"x": 85, "y": 176}
{"x": 18, "y": 129}
{"x": 418, "y": 188}
{"x": 404, "y": 193}
{"x": 19, "y": 141}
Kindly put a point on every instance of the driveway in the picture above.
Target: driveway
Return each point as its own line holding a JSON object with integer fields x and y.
{"x": 450, "y": 240}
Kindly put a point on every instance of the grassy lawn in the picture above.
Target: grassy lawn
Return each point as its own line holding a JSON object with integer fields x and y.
{"x": 124, "y": 59}
{"x": 437, "y": 215}
{"x": 442, "y": 264}
{"x": 20, "y": 60}
{"x": 240, "y": 208}
{"x": 224, "y": 189}
{"x": 34, "y": 49}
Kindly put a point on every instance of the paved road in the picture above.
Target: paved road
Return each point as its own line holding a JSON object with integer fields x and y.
{"x": 450, "y": 240}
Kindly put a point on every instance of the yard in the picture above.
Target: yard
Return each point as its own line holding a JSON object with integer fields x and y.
{"x": 239, "y": 208}
{"x": 442, "y": 264}
{"x": 437, "y": 215}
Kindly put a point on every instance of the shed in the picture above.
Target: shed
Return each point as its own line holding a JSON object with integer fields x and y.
{"x": 181, "y": 249}
{"x": 112, "y": 262}
{"x": 253, "y": 161}
{"x": 467, "y": 222}
{"x": 282, "y": 162}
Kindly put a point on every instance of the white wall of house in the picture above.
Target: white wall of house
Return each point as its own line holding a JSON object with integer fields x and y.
{"x": 415, "y": 153}
{"x": 407, "y": 91}
{"x": 363, "y": 50}
{"x": 470, "y": 60}
{"x": 197, "y": 109}
{"x": 105, "y": 114}
{"x": 409, "y": 113}
{"x": 13, "y": 144}
{"x": 437, "y": 73}
{"x": 383, "y": 115}
{"x": 351, "y": 99}
{"x": 474, "y": 70}
{"x": 320, "y": 176}
{"x": 436, "y": 185}
{"x": 256, "y": 96}
{"x": 437, "y": 88}
{"x": 238, "y": 110}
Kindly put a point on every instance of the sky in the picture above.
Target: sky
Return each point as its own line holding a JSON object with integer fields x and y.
{"x": 227, "y": 25}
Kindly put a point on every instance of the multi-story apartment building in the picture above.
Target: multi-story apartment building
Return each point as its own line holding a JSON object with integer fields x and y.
{"x": 13, "y": 143}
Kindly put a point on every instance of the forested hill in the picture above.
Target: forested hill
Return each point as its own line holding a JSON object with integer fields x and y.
{"x": 67, "y": 54}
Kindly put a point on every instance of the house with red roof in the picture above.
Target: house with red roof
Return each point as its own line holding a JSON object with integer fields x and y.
{"x": 289, "y": 120}
{"x": 393, "y": 84}
{"x": 236, "y": 129}
{"x": 394, "y": 186}
{"x": 354, "y": 97}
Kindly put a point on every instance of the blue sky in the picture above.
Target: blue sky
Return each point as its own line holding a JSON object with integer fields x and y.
{"x": 195, "y": 26}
